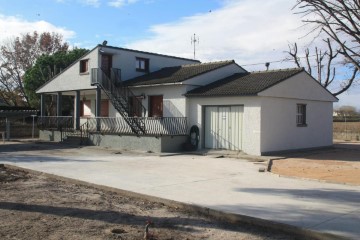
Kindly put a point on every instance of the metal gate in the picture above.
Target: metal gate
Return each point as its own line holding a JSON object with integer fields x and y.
{"x": 223, "y": 127}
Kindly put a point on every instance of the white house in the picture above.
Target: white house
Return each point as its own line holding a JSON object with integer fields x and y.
{"x": 138, "y": 100}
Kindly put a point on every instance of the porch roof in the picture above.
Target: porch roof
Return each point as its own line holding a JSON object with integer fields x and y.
{"x": 245, "y": 83}
{"x": 176, "y": 74}
{"x": 10, "y": 111}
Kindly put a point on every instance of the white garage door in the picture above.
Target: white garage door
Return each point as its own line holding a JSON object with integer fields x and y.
{"x": 223, "y": 127}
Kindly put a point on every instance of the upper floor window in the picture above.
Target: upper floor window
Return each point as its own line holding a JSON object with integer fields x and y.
{"x": 84, "y": 66}
{"x": 142, "y": 64}
{"x": 301, "y": 115}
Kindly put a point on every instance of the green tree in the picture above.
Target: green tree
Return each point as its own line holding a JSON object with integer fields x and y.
{"x": 45, "y": 68}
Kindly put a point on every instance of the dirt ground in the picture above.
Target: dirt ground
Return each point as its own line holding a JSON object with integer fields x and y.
{"x": 38, "y": 207}
{"x": 339, "y": 165}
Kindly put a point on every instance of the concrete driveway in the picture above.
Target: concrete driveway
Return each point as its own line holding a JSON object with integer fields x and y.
{"x": 227, "y": 184}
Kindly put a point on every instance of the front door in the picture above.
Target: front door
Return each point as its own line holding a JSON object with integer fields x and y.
{"x": 106, "y": 64}
{"x": 156, "y": 106}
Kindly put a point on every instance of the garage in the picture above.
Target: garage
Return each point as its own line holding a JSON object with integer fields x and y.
{"x": 223, "y": 127}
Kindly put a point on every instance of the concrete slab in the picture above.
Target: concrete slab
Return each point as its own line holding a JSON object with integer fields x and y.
{"x": 225, "y": 184}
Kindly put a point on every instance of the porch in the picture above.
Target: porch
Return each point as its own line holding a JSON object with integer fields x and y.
{"x": 166, "y": 134}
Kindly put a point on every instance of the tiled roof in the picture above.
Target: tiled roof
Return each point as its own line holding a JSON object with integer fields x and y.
{"x": 245, "y": 83}
{"x": 176, "y": 74}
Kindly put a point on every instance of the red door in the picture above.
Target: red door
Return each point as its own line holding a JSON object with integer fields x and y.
{"x": 156, "y": 106}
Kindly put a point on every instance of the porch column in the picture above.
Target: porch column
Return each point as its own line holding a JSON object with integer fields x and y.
{"x": 58, "y": 104}
{"x": 42, "y": 105}
{"x": 98, "y": 108}
{"x": 58, "y": 110}
{"x": 77, "y": 110}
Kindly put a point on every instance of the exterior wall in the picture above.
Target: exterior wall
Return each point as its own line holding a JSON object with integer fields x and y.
{"x": 125, "y": 60}
{"x": 251, "y": 118}
{"x": 300, "y": 86}
{"x": 47, "y": 135}
{"x": 143, "y": 143}
{"x": 174, "y": 103}
{"x": 71, "y": 79}
{"x": 279, "y": 131}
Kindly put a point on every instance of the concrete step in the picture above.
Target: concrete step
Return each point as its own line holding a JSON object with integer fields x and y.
{"x": 73, "y": 140}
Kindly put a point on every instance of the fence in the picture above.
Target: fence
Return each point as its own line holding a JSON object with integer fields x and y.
{"x": 19, "y": 129}
{"x": 346, "y": 128}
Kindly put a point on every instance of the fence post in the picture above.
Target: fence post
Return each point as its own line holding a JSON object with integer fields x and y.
{"x": 7, "y": 124}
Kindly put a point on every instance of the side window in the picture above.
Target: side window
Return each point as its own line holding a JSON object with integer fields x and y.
{"x": 84, "y": 66}
{"x": 142, "y": 64}
{"x": 301, "y": 115}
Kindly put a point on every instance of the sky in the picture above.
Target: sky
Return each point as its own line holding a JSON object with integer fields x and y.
{"x": 251, "y": 32}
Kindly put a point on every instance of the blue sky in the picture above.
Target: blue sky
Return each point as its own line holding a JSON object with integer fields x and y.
{"x": 251, "y": 32}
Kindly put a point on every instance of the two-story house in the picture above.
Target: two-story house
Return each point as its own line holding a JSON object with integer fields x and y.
{"x": 139, "y": 100}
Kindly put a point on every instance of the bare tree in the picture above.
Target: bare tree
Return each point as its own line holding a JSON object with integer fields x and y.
{"x": 340, "y": 20}
{"x": 320, "y": 64}
{"x": 19, "y": 54}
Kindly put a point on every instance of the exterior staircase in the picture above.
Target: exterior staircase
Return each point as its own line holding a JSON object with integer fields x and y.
{"x": 121, "y": 97}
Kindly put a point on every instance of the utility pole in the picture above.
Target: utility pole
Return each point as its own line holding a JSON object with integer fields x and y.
{"x": 194, "y": 40}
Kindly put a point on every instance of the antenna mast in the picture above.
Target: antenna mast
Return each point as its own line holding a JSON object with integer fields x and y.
{"x": 195, "y": 40}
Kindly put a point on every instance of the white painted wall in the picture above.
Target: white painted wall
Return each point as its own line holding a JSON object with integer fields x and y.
{"x": 71, "y": 79}
{"x": 251, "y": 118}
{"x": 300, "y": 86}
{"x": 126, "y": 59}
{"x": 280, "y": 132}
{"x": 174, "y": 103}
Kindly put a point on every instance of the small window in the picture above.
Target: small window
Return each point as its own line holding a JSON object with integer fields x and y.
{"x": 301, "y": 115}
{"x": 84, "y": 66}
{"x": 142, "y": 64}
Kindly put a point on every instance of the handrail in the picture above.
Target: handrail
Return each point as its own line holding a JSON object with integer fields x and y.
{"x": 134, "y": 108}
{"x": 84, "y": 132}
{"x": 122, "y": 98}
{"x": 165, "y": 126}
{"x": 169, "y": 126}
{"x": 55, "y": 122}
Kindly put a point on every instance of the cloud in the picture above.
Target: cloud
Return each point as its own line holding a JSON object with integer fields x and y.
{"x": 249, "y": 31}
{"x": 121, "y": 3}
{"x": 93, "y": 3}
{"x": 15, "y": 26}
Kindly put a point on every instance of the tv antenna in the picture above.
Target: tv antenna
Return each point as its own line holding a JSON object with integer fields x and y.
{"x": 195, "y": 40}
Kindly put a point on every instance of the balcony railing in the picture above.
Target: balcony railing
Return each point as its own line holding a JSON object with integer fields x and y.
{"x": 55, "y": 123}
{"x": 166, "y": 126}
{"x": 170, "y": 126}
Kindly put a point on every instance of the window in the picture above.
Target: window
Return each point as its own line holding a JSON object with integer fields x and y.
{"x": 84, "y": 66}
{"x": 301, "y": 115}
{"x": 142, "y": 64}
